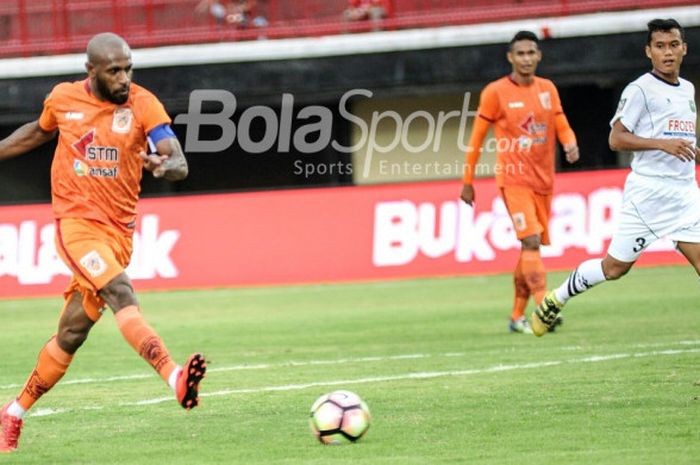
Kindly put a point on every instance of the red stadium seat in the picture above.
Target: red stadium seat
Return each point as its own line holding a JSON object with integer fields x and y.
{"x": 40, "y": 27}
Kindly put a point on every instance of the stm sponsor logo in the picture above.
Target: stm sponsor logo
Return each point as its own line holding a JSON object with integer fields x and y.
{"x": 86, "y": 148}
{"x": 99, "y": 153}
{"x": 530, "y": 126}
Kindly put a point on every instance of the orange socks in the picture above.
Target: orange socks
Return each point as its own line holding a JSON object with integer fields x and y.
{"x": 50, "y": 368}
{"x": 144, "y": 340}
{"x": 54, "y": 361}
{"x": 535, "y": 276}
{"x": 522, "y": 292}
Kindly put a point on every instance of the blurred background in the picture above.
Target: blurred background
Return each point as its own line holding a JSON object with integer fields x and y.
{"x": 413, "y": 55}
{"x": 396, "y": 79}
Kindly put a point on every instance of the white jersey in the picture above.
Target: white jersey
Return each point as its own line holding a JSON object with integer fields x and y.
{"x": 653, "y": 108}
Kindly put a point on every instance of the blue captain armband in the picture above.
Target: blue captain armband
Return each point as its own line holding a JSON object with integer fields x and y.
{"x": 157, "y": 134}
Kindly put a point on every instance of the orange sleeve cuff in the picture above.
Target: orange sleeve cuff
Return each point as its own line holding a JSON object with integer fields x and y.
{"x": 564, "y": 132}
{"x": 476, "y": 140}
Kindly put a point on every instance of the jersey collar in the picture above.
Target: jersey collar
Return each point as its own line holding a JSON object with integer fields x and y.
{"x": 674, "y": 84}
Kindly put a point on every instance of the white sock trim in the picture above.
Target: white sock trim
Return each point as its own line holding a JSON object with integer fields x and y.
{"x": 587, "y": 275}
{"x": 172, "y": 379}
{"x": 16, "y": 410}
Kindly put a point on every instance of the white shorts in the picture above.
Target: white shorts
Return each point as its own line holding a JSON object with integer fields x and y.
{"x": 653, "y": 208}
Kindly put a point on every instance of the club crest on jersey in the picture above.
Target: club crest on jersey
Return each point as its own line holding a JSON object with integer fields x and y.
{"x": 519, "y": 221}
{"x": 121, "y": 120}
{"x": 546, "y": 100}
{"x": 93, "y": 263}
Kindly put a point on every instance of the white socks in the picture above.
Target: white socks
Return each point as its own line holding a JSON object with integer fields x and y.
{"x": 172, "y": 379}
{"x": 16, "y": 410}
{"x": 587, "y": 275}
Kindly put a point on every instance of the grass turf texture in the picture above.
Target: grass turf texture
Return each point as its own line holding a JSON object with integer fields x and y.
{"x": 445, "y": 382}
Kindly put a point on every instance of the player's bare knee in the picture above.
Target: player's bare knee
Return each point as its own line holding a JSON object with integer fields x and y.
{"x": 71, "y": 338}
{"x": 119, "y": 293}
{"x": 615, "y": 270}
{"x": 531, "y": 242}
{"x": 612, "y": 275}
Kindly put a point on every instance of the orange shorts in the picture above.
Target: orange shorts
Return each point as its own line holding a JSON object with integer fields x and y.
{"x": 529, "y": 211}
{"x": 96, "y": 253}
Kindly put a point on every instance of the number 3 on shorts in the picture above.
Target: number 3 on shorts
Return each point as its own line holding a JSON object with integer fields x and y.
{"x": 641, "y": 242}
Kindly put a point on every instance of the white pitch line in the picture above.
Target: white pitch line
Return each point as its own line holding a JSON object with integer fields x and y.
{"x": 260, "y": 366}
{"x": 407, "y": 376}
{"x": 373, "y": 379}
{"x": 293, "y": 363}
{"x": 424, "y": 375}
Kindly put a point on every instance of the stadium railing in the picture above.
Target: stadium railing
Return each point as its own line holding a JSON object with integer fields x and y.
{"x": 47, "y": 27}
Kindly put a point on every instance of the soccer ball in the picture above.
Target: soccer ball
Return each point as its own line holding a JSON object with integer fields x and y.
{"x": 339, "y": 417}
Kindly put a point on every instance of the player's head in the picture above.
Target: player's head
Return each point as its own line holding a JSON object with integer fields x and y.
{"x": 109, "y": 67}
{"x": 666, "y": 47}
{"x": 663, "y": 25}
{"x": 524, "y": 53}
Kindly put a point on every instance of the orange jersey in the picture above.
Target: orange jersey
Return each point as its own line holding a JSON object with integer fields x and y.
{"x": 525, "y": 126}
{"x": 96, "y": 171}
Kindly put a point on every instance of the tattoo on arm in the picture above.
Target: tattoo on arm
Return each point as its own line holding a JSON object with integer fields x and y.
{"x": 175, "y": 167}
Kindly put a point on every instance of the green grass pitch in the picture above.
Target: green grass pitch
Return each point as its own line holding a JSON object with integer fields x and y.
{"x": 618, "y": 383}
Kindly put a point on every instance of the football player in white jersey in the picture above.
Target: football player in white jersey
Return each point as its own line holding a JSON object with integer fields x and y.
{"x": 655, "y": 120}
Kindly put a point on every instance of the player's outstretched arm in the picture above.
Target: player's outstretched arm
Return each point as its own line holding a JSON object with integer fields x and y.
{"x": 622, "y": 139}
{"x": 169, "y": 163}
{"x": 24, "y": 139}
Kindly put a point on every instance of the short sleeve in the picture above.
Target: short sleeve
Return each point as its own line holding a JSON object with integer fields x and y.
{"x": 47, "y": 120}
{"x": 630, "y": 107}
{"x": 489, "y": 107}
{"x": 150, "y": 112}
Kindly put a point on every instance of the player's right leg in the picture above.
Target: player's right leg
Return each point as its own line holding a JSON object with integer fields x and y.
{"x": 119, "y": 295}
{"x": 518, "y": 323}
{"x": 98, "y": 255}
{"x": 583, "y": 278}
{"x": 53, "y": 361}
{"x": 629, "y": 241}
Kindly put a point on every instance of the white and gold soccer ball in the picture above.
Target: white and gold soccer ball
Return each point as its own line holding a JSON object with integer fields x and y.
{"x": 339, "y": 417}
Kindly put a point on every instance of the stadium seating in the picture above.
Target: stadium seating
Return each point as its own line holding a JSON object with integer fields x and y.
{"x": 40, "y": 27}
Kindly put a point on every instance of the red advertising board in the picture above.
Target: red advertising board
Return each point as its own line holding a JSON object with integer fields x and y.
{"x": 326, "y": 235}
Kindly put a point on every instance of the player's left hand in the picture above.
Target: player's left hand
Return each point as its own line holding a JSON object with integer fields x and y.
{"x": 153, "y": 162}
{"x": 571, "y": 151}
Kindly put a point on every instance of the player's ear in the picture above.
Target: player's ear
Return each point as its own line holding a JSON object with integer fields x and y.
{"x": 647, "y": 49}
{"x": 509, "y": 56}
{"x": 685, "y": 48}
{"x": 89, "y": 67}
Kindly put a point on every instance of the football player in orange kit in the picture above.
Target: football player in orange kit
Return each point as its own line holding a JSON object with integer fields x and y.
{"x": 527, "y": 115}
{"x": 103, "y": 125}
